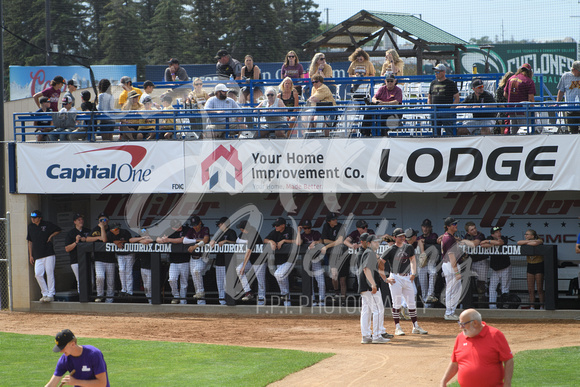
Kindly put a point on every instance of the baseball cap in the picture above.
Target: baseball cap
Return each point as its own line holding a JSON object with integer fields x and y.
{"x": 527, "y": 66}
{"x": 398, "y": 232}
{"x": 440, "y": 67}
{"x": 115, "y": 226}
{"x": 306, "y": 223}
{"x": 409, "y": 233}
{"x": 361, "y": 224}
{"x": 220, "y": 87}
{"x": 222, "y": 220}
{"x": 427, "y": 223}
{"x": 576, "y": 65}
{"x": 102, "y": 215}
{"x": 364, "y": 236}
{"x": 330, "y": 216}
{"x": 66, "y": 100}
{"x": 449, "y": 221}
{"x": 124, "y": 79}
{"x": 195, "y": 220}
{"x": 62, "y": 338}
{"x": 173, "y": 60}
{"x": 77, "y": 215}
{"x": 72, "y": 82}
{"x": 242, "y": 224}
{"x": 221, "y": 53}
{"x": 374, "y": 238}
{"x": 36, "y": 214}
{"x": 132, "y": 94}
{"x": 476, "y": 83}
{"x": 279, "y": 221}
{"x": 390, "y": 76}
{"x": 494, "y": 229}
{"x": 43, "y": 100}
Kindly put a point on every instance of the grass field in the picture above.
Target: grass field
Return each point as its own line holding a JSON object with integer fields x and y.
{"x": 548, "y": 367}
{"x": 28, "y": 360}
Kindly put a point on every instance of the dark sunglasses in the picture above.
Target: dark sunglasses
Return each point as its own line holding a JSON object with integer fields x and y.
{"x": 306, "y": 228}
{"x": 322, "y": 59}
{"x": 197, "y": 84}
{"x": 270, "y": 95}
{"x": 315, "y": 81}
{"x": 291, "y": 56}
{"x": 390, "y": 80}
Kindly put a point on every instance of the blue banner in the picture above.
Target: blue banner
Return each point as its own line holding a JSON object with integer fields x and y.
{"x": 25, "y": 81}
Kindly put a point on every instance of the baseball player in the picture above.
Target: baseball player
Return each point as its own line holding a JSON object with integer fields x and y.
{"x": 275, "y": 240}
{"x": 104, "y": 261}
{"x": 224, "y": 235}
{"x": 77, "y": 235}
{"x": 250, "y": 237}
{"x": 85, "y": 363}
{"x": 313, "y": 239}
{"x": 145, "y": 261}
{"x": 178, "y": 262}
{"x": 451, "y": 268}
{"x": 198, "y": 235}
{"x": 119, "y": 237}
{"x": 403, "y": 270}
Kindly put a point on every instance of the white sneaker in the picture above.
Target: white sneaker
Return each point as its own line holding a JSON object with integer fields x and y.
{"x": 98, "y": 300}
{"x": 261, "y": 301}
{"x": 419, "y": 331}
{"x": 451, "y": 317}
{"x": 175, "y": 301}
{"x": 48, "y": 299}
{"x": 199, "y": 295}
{"x": 380, "y": 340}
{"x": 287, "y": 303}
{"x": 42, "y": 299}
{"x": 399, "y": 332}
{"x": 366, "y": 340}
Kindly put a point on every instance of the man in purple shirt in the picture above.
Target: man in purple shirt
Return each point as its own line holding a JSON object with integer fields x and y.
{"x": 520, "y": 88}
{"x": 84, "y": 362}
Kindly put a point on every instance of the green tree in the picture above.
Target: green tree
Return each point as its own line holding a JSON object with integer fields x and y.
{"x": 301, "y": 23}
{"x": 121, "y": 36}
{"x": 204, "y": 27}
{"x": 167, "y": 29}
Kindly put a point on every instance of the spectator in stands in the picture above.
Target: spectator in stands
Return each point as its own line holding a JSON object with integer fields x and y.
{"x": 250, "y": 71}
{"x": 250, "y": 237}
{"x": 148, "y": 88}
{"x": 520, "y": 88}
{"x": 227, "y": 67}
{"x": 198, "y": 96}
{"x": 166, "y": 104}
{"x": 452, "y": 259}
{"x": 43, "y": 126}
{"x": 41, "y": 253}
{"x": 105, "y": 103}
{"x": 52, "y": 93}
{"x": 443, "y": 91}
{"x": 321, "y": 96}
{"x": 274, "y": 122}
{"x": 569, "y": 88}
{"x": 277, "y": 242}
{"x": 66, "y": 121}
{"x": 313, "y": 240}
{"x": 198, "y": 236}
{"x": 430, "y": 251}
{"x": 290, "y": 97}
{"x": 501, "y": 269}
{"x": 535, "y": 269}
{"x": 86, "y": 104}
{"x": 334, "y": 252}
{"x": 144, "y": 261}
{"x": 482, "y": 122}
{"x": 178, "y": 262}
{"x": 119, "y": 237}
{"x": 501, "y": 97}
{"x": 175, "y": 73}
{"x": 292, "y": 69}
{"x": 360, "y": 65}
{"x": 132, "y": 124}
{"x": 72, "y": 86}
{"x": 393, "y": 64}
{"x": 389, "y": 94}
{"x": 127, "y": 86}
{"x": 479, "y": 262}
{"x": 104, "y": 261}
{"x": 148, "y": 130}
{"x": 319, "y": 66}
{"x": 220, "y": 103}
{"x": 78, "y": 234}
{"x": 223, "y": 236}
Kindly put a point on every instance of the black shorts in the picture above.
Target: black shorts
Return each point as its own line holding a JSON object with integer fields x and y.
{"x": 535, "y": 268}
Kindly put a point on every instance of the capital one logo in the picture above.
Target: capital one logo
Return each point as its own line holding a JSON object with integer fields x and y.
{"x": 231, "y": 157}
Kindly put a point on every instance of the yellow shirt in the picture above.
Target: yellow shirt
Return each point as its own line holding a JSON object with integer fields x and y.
{"x": 326, "y": 72}
{"x": 323, "y": 94}
{"x": 360, "y": 69}
{"x": 123, "y": 96}
{"x": 399, "y": 69}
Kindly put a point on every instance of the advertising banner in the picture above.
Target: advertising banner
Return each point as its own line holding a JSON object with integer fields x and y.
{"x": 25, "y": 81}
{"x": 550, "y": 59}
{"x": 373, "y": 165}
{"x": 100, "y": 168}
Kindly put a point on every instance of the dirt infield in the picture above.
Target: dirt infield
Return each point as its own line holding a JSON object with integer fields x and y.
{"x": 407, "y": 360}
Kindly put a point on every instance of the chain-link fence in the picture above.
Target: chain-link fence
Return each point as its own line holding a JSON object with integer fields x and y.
{"x": 5, "y": 283}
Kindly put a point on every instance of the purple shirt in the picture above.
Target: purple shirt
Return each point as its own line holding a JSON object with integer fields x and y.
{"x": 89, "y": 364}
{"x": 355, "y": 236}
{"x": 386, "y": 95}
{"x": 53, "y": 96}
{"x": 295, "y": 71}
{"x": 519, "y": 87}
{"x": 312, "y": 237}
{"x": 447, "y": 244}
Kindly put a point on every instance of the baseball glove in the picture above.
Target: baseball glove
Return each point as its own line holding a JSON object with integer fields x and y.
{"x": 423, "y": 260}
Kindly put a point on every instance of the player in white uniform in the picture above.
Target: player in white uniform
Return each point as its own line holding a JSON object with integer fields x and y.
{"x": 403, "y": 269}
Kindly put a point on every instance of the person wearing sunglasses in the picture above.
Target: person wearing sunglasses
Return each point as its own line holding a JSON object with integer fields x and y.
{"x": 389, "y": 95}
{"x": 198, "y": 96}
{"x": 393, "y": 64}
{"x": 273, "y": 103}
{"x": 482, "y": 123}
{"x": 481, "y": 354}
{"x": 292, "y": 69}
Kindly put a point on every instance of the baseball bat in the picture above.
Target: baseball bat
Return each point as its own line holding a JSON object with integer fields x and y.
{"x": 71, "y": 374}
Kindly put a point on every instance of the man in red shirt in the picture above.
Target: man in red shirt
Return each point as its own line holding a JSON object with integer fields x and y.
{"x": 481, "y": 356}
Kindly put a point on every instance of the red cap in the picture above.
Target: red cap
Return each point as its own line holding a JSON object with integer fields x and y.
{"x": 527, "y": 66}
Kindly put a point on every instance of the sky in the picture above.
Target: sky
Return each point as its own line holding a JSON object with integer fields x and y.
{"x": 518, "y": 19}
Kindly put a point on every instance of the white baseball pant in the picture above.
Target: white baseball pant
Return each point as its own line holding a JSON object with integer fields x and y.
{"x": 503, "y": 275}
{"x": 146, "y": 277}
{"x": 318, "y": 272}
{"x": 371, "y": 310}
{"x": 452, "y": 288}
{"x": 75, "y": 269}
{"x": 260, "y": 272}
{"x": 403, "y": 287}
{"x": 281, "y": 274}
{"x": 220, "y": 277}
{"x": 428, "y": 274}
{"x": 197, "y": 267}
{"x": 126, "y": 272}
{"x": 178, "y": 275}
{"x": 105, "y": 270}
{"x": 42, "y": 266}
